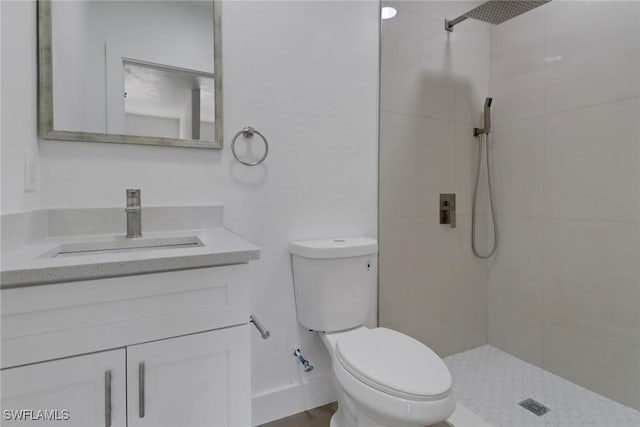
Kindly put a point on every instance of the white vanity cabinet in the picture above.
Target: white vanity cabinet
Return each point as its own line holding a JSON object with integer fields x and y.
{"x": 82, "y": 391}
{"x": 174, "y": 347}
{"x": 192, "y": 381}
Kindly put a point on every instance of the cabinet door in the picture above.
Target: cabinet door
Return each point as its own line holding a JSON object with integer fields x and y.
{"x": 88, "y": 390}
{"x": 199, "y": 380}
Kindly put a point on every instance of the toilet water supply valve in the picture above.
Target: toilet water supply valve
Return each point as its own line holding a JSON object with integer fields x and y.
{"x": 307, "y": 366}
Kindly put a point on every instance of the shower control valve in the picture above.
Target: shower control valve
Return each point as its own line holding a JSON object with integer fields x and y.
{"x": 448, "y": 209}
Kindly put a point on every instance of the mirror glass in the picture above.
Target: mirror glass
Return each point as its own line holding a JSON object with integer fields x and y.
{"x": 132, "y": 71}
{"x": 167, "y": 102}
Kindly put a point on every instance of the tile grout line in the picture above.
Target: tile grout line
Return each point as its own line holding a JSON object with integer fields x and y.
{"x": 545, "y": 217}
{"x": 517, "y": 120}
{"x": 546, "y": 202}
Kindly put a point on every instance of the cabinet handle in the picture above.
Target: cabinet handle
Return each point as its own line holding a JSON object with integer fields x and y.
{"x": 141, "y": 390}
{"x": 107, "y": 398}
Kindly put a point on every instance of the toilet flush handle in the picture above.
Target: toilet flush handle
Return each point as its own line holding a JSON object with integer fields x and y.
{"x": 264, "y": 332}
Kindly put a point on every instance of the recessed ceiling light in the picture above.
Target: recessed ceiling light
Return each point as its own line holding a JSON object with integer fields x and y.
{"x": 388, "y": 12}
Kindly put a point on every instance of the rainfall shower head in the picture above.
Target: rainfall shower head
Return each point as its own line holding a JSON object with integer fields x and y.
{"x": 496, "y": 11}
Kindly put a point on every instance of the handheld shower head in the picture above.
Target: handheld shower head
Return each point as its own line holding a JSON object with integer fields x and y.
{"x": 487, "y": 119}
{"x": 487, "y": 114}
{"x": 484, "y": 141}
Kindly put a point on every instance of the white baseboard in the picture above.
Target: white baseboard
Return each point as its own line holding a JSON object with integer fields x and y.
{"x": 294, "y": 398}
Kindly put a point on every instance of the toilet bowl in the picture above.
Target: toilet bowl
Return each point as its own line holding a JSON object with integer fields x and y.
{"x": 383, "y": 377}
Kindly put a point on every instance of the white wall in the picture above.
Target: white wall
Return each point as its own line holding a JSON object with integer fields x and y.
{"x": 19, "y": 115}
{"x": 564, "y": 288}
{"x": 433, "y": 86}
{"x": 307, "y": 78}
{"x": 300, "y": 72}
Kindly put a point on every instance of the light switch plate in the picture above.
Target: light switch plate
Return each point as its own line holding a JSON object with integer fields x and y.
{"x": 30, "y": 171}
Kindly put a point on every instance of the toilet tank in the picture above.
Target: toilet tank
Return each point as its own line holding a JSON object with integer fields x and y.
{"x": 335, "y": 281}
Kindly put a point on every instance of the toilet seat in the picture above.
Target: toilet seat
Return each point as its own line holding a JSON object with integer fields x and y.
{"x": 395, "y": 364}
{"x": 382, "y": 356}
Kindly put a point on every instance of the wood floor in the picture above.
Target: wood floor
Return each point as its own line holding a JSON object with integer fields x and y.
{"x": 317, "y": 417}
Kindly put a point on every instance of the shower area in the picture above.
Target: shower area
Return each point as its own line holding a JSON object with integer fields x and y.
{"x": 550, "y": 95}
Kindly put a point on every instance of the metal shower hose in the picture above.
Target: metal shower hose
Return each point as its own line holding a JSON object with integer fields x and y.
{"x": 475, "y": 199}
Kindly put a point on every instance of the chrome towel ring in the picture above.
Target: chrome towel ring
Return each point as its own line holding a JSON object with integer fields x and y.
{"x": 248, "y": 133}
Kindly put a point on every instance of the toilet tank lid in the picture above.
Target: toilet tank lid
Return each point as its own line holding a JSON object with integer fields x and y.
{"x": 335, "y": 248}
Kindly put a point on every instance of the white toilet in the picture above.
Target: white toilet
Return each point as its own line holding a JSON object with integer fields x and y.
{"x": 384, "y": 378}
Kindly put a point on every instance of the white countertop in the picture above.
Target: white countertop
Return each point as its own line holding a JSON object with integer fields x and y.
{"x": 28, "y": 265}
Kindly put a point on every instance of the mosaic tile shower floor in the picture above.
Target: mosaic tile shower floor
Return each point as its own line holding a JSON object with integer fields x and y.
{"x": 491, "y": 383}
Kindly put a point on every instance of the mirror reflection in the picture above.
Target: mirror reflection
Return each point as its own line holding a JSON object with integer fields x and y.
{"x": 165, "y": 102}
{"x": 143, "y": 68}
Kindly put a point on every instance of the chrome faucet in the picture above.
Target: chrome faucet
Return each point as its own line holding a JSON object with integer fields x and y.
{"x": 134, "y": 214}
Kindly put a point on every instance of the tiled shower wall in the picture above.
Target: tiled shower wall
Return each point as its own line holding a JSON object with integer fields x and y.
{"x": 564, "y": 288}
{"x": 432, "y": 90}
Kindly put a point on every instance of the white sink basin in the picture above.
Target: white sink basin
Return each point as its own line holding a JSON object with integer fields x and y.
{"x": 122, "y": 244}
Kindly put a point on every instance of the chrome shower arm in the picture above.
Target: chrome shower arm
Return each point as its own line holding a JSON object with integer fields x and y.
{"x": 449, "y": 24}
{"x": 496, "y": 11}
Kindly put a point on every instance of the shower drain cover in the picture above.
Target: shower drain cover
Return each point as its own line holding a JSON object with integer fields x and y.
{"x": 534, "y": 407}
